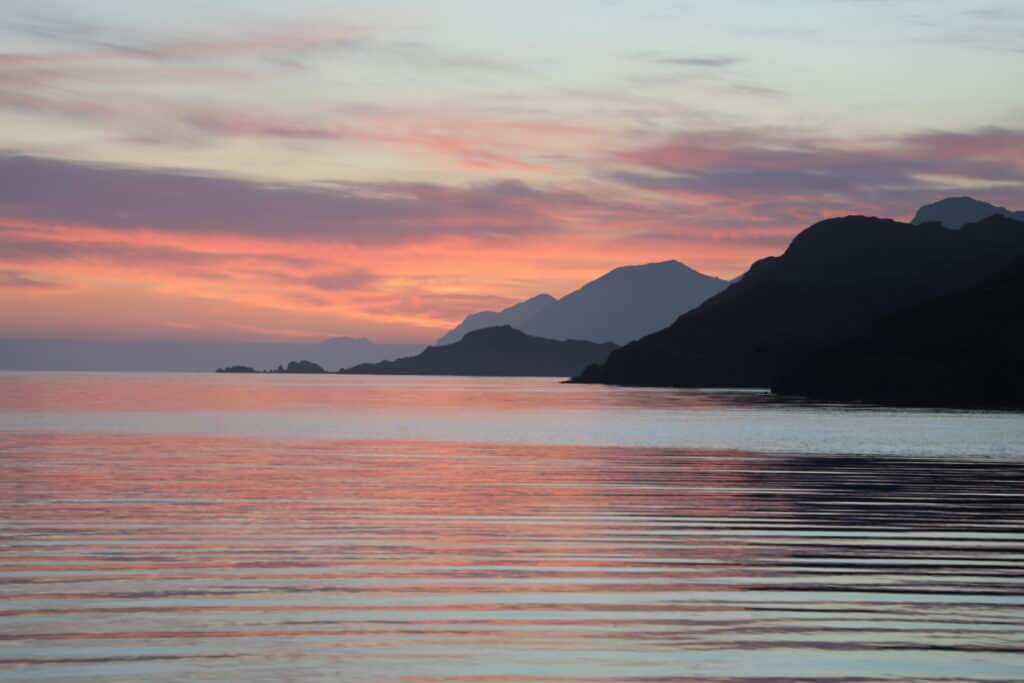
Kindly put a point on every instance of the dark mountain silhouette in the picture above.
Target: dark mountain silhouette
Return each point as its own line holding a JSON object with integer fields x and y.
{"x": 620, "y": 306}
{"x": 496, "y": 351}
{"x": 188, "y": 356}
{"x": 956, "y": 212}
{"x": 237, "y": 369}
{"x": 834, "y": 282}
{"x": 301, "y": 367}
{"x": 961, "y": 349}
{"x": 515, "y": 316}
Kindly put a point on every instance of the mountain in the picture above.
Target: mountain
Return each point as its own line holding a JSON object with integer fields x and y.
{"x": 962, "y": 349}
{"x": 833, "y": 283}
{"x": 496, "y": 351}
{"x": 626, "y": 303}
{"x": 187, "y": 356}
{"x": 956, "y": 212}
{"x": 620, "y": 306}
{"x": 515, "y": 316}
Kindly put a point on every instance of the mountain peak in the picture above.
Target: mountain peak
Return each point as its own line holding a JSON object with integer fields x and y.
{"x": 623, "y": 304}
{"x": 956, "y": 212}
{"x": 513, "y": 315}
{"x": 662, "y": 266}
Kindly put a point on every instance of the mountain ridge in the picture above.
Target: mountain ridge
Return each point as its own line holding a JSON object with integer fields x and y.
{"x": 956, "y": 212}
{"x": 835, "y": 278}
{"x": 500, "y": 351}
{"x": 623, "y": 304}
{"x": 514, "y": 315}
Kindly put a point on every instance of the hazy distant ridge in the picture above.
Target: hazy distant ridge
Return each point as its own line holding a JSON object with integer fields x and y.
{"x": 516, "y": 316}
{"x": 956, "y": 212}
{"x": 188, "y": 356}
{"x": 620, "y": 306}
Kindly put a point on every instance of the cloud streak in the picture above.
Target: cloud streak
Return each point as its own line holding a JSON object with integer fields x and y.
{"x": 12, "y": 279}
{"x": 128, "y": 199}
{"x": 700, "y": 62}
{"x": 752, "y": 166}
{"x": 693, "y": 61}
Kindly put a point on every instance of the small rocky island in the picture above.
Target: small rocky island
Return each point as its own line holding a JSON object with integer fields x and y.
{"x": 239, "y": 369}
{"x": 497, "y": 352}
{"x": 301, "y": 367}
{"x": 295, "y": 367}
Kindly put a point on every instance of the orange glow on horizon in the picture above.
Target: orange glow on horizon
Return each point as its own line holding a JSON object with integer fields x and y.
{"x": 151, "y": 283}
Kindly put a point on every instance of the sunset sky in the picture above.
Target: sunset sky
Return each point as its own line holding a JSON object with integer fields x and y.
{"x": 301, "y": 170}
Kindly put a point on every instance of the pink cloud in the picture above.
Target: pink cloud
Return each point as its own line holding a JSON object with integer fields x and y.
{"x": 129, "y": 199}
{"x": 789, "y": 174}
{"x": 12, "y": 279}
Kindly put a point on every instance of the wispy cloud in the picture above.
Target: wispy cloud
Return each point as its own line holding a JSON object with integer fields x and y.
{"x": 700, "y": 62}
{"x": 12, "y": 279}
{"x": 87, "y": 52}
{"x": 331, "y": 281}
{"x": 889, "y": 174}
{"x": 129, "y": 199}
{"x": 43, "y": 245}
{"x": 694, "y": 61}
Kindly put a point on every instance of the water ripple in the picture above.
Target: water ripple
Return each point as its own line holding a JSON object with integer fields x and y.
{"x": 127, "y": 557}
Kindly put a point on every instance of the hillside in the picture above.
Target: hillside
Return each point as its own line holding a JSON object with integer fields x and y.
{"x": 495, "y": 351}
{"x": 834, "y": 282}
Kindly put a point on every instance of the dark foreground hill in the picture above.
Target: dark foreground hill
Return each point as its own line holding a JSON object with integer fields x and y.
{"x": 620, "y": 306}
{"x": 963, "y": 349}
{"x": 836, "y": 280}
{"x": 495, "y": 351}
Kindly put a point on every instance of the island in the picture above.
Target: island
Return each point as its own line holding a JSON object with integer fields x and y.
{"x": 239, "y": 369}
{"x": 501, "y": 351}
{"x": 300, "y": 367}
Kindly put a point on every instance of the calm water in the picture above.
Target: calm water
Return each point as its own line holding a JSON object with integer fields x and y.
{"x": 214, "y": 527}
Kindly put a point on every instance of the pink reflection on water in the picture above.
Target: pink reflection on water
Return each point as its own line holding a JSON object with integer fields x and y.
{"x": 197, "y": 392}
{"x": 413, "y": 560}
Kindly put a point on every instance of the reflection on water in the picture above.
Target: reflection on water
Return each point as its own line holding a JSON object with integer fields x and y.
{"x": 484, "y": 410}
{"x": 170, "y": 557}
{"x": 129, "y": 558}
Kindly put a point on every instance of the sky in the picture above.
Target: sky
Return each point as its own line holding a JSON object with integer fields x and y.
{"x": 296, "y": 171}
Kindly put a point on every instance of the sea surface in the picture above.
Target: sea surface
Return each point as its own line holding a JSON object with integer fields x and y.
{"x": 177, "y": 527}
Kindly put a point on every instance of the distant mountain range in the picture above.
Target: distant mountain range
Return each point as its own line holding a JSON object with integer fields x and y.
{"x": 620, "y": 306}
{"x": 836, "y": 285}
{"x": 188, "y": 356}
{"x": 956, "y": 212}
{"x": 496, "y": 351}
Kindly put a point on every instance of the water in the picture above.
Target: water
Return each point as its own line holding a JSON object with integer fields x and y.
{"x": 216, "y": 527}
